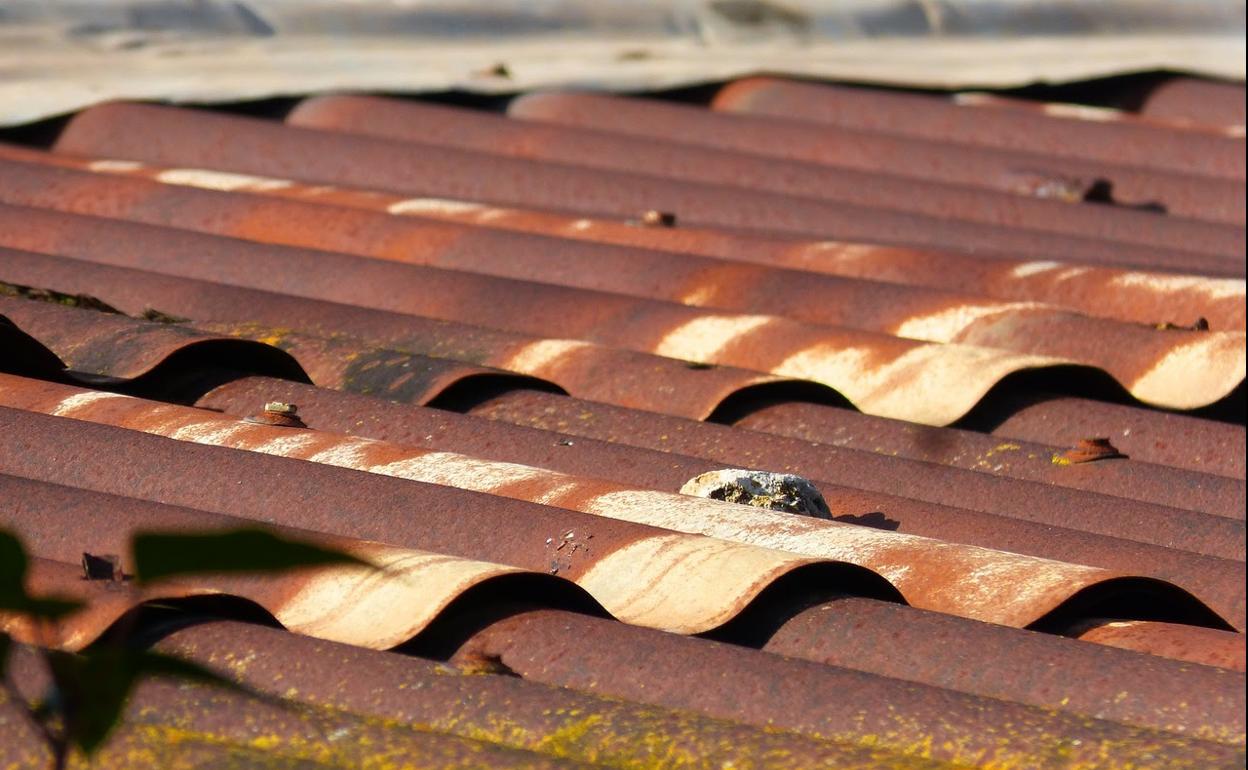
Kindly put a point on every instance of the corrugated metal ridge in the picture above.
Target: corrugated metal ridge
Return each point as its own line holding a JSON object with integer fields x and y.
{"x": 122, "y": 348}
{"x": 170, "y": 136}
{"x": 1180, "y": 194}
{"x": 76, "y": 236}
{"x": 941, "y": 118}
{"x": 1145, "y": 360}
{"x": 220, "y": 729}
{"x": 876, "y": 371}
{"x": 575, "y": 652}
{"x": 1093, "y": 114}
{"x": 1108, "y": 292}
{"x": 480, "y": 131}
{"x": 1192, "y": 99}
{"x": 581, "y": 368}
{"x": 378, "y": 609}
{"x": 1218, "y": 582}
{"x": 671, "y": 570}
{"x": 1021, "y": 500}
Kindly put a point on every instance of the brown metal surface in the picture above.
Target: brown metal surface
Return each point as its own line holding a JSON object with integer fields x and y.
{"x": 1094, "y": 114}
{"x": 1218, "y": 582}
{"x": 1198, "y": 645}
{"x": 479, "y": 131}
{"x": 970, "y": 450}
{"x": 648, "y": 382}
{"x": 1138, "y": 356}
{"x": 1203, "y": 101}
{"x": 166, "y": 712}
{"x": 878, "y": 372}
{"x": 1020, "y": 666}
{"x": 684, "y": 578}
{"x": 938, "y": 118}
{"x": 377, "y": 609}
{"x": 503, "y": 709}
{"x": 1096, "y": 291}
{"x": 1179, "y": 193}
{"x": 174, "y": 137}
{"x": 1158, "y": 437}
{"x": 719, "y": 680}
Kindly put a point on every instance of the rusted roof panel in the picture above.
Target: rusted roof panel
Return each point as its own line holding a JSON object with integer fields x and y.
{"x": 942, "y": 119}
{"x": 1201, "y": 101}
{"x": 1128, "y": 295}
{"x": 1179, "y": 193}
{"x": 425, "y": 123}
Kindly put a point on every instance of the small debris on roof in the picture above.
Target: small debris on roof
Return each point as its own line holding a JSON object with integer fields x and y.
{"x": 776, "y": 491}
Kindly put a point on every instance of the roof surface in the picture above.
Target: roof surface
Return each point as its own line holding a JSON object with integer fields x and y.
{"x": 1005, "y": 339}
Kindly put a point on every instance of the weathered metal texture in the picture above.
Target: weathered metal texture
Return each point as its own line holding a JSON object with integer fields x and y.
{"x": 160, "y": 711}
{"x": 1205, "y": 646}
{"x": 1126, "y": 295}
{"x": 682, "y": 567}
{"x": 640, "y": 573}
{"x": 122, "y": 348}
{"x": 1158, "y": 437}
{"x": 479, "y": 131}
{"x": 648, "y": 382}
{"x": 778, "y": 692}
{"x": 1019, "y": 666}
{"x": 876, "y": 474}
{"x": 1202, "y": 101}
{"x": 1217, "y": 582}
{"x": 501, "y": 709}
{"x": 938, "y": 118}
{"x": 1142, "y": 358}
{"x": 880, "y": 373}
{"x": 118, "y": 347}
{"x": 374, "y": 608}
{"x": 1094, "y": 114}
{"x": 1184, "y": 194}
{"x": 970, "y": 450}
{"x": 171, "y": 136}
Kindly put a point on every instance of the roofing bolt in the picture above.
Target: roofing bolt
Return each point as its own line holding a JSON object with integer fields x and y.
{"x": 106, "y": 566}
{"x": 656, "y": 218}
{"x": 279, "y": 414}
{"x": 1088, "y": 450}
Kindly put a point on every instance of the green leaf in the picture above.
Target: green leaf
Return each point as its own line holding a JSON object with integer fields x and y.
{"x": 160, "y": 555}
{"x": 12, "y": 572}
{"x": 92, "y": 689}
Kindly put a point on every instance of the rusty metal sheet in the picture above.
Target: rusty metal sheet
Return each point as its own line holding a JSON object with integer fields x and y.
{"x": 1159, "y": 437}
{"x": 640, "y": 573}
{"x": 611, "y": 375}
{"x": 503, "y": 709}
{"x": 970, "y": 450}
{"x": 1180, "y": 193}
{"x": 1108, "y": 292}
{"x": 1095, "y": 113}
{"x": 353, "y": 605}
{"x": 117, "y": 347}
{"x": 1107, "y": 515}
{"x": 254, "y": 146}
{"x": 880, "y": 373}
{"x": 1020, "y": 666}
{"x": 163, "y": 711}
{"x": 1203, "y": 101}
{"x": 1140, "y": 357}
{"x": 934, "y": 117}
{"x": 778, "y": 692}
{"x": 121, "y": 348}
{"x": 433, "y": 124}
{"x": 1218, "y": 582}
{"x": 949, "y": 577}
{"x": 1204, "y": 646}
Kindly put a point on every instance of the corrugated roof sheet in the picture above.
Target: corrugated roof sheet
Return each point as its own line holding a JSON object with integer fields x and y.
{"x": 512, "y": 340}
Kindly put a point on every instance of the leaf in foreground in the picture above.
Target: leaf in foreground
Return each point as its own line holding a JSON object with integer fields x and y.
{"x": 159, "y": 555}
